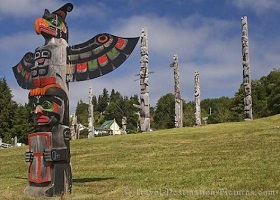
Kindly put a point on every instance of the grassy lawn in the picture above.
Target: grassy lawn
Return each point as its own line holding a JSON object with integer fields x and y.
{"x": 224, "y": 161}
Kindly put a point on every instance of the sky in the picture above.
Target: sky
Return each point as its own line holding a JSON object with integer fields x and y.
{"x": 205, "y": 34}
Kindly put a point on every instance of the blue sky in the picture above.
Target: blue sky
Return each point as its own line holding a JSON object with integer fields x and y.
{"x": 205, "y": 34}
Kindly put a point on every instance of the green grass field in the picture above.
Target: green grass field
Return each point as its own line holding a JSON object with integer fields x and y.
{"x": 223, "y": 161}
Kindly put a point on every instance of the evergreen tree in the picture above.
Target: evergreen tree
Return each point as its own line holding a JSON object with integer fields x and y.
{"x": 82, "y": 113}
{"x": 273, "y": 92}
{"x": 220, "y": 109}
{"x": 114, "y": 111}
{"x": 188, "y": 113}
{"x": 103, "y": 101}
{"x": 259, "y": 98}
{"x": 8, "y": 110}
{"x": 94, "y": 103}
{"x": 130, "y": 113}
{"x": 237, "y": 105}
{"x": 23, "y": 123}
{"x": 165, "y": 112}
{"x": 116, "y": 97}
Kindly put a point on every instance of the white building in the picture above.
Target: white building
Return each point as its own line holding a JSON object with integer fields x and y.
{"x": 109, "y": 127}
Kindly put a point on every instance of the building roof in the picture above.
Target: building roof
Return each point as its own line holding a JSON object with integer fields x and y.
{"x": 106, "y": 125}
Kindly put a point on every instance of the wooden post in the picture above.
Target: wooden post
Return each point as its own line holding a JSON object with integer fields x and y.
{"x": 144, "y": 84}
{"x": 248, "y": 113}
{"x": 178, "y": 100}
{"x": 90, "y": 115}
{"x": 197, "y": 99}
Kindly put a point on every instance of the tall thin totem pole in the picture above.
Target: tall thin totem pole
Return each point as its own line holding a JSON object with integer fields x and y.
{"x": 178, "y": 100}
{"x": 248, "y": 113}
{"x": 46, "y": 74}
{"x": 197, "y": 99}
{"x": 144, "y": 84}
{"x": 90, "y": 115}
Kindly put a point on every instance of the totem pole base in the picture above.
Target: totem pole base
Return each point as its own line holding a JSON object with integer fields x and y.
{"x": 38, "y": 191}
{"x": 50, "y": 170}
{"x": 61, "y": 185}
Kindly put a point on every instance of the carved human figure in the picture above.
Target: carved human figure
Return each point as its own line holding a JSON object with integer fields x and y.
{"x": 178, "y": 102}
{"x": 246, "y": 70}
{"x": 144, "y": 84}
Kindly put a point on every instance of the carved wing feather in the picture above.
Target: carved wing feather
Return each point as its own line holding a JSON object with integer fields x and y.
{"x": 98, "y": 56}
{"x": 22, "y": 71}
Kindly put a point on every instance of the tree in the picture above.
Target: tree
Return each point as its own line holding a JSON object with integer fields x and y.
{"x": 8, "y": 110}
{"x": 23, "y": 123}
{"x": 273, "y": 92}
{"x": 94, "y": 102}
{"x": 130, "y": 112}
{"x": 265, "y": 97}
{"x": 120, "y": 107}
{"x": 165, "y": 112}
{"x": 82, "y": 113}
{"x": 103, "y": 101}
{"x": 220, "y": 109}
{"x": 237, "y": 105}
{"x": 259, "y": 98}
{"x": 188, "y": 113}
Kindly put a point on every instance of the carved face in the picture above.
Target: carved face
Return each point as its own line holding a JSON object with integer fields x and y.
{"x": 46, "y": 110}
{"x": 41, "y": 55}
{"x": 51, "y": 25}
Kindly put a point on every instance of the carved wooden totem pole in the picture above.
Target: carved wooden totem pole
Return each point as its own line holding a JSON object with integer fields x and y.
{"x": 90, "y": 115}
{"x": 246, "y": 70}
{"x": 46, "y": 74}
{"x": 74, "y": 129}
{"x": 144, "y": 84}
{"x": 197, "y": 99}
{"x": 178, "y": 100}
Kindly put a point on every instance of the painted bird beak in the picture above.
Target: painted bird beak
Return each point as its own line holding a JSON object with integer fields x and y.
{"x": 42, "y": 27}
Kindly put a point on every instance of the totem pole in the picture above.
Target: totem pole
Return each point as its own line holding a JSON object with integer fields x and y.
{"x": 144, "y": 84}
{"x": 124, "y": 123}
{"x": 74, "y": 130}
{"x": 46, "y": 74}
{"x": 197, "y": 99}
{"x": 178, "y": 100}
{"x": 90, "y": 115}
{"x": 246, "y": 70}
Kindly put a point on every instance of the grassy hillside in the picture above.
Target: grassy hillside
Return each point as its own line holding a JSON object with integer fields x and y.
{"x": 223, "y": 161}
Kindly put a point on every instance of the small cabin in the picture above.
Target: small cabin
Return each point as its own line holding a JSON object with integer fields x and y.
{"x": 109, "y": 127}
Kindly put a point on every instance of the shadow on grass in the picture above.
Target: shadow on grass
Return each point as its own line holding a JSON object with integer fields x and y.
{"x": 85, "y": 180}
{"x": 78, "y": 180}
{"x": 23, "y": 178}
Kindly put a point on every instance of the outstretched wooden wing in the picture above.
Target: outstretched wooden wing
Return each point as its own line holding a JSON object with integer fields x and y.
{"x": 22, "y": 71}
{"x": 98, "y": 56}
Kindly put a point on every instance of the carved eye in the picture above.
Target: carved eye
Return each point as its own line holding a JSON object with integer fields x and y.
{"x": 37, "y": 55}
{"x": 54, "y": 21}
{"x": 46, "y": 54}
{"x": 102, "y": 39}
{"x": 33, "y": 106}
{"x": 46, "y": 105}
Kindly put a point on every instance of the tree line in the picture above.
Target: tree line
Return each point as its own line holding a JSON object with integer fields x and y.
{"x": 16, "y": 119}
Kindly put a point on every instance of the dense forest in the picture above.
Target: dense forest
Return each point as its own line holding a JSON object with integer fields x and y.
{"x": 16, "y": 119}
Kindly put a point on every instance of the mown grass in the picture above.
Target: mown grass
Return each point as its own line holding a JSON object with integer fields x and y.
{"x": 223, "y": 161}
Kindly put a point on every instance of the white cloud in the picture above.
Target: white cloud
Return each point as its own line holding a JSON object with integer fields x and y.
{"x": 200, "y": 43}
{"x": 212, "y": 46}
{"x": 258, "y": 6}
{"x": 20, "y": 41}
{"x": 27, "y": 8}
